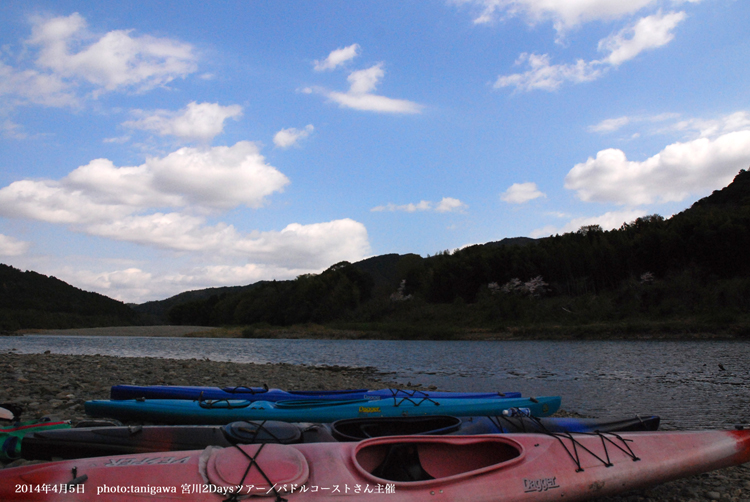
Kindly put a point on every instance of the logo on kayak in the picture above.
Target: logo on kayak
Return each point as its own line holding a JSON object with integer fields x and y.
{"x": 545, "y": 408}
{"x": 369, "y": 409}
{"x": 119, "y": 462}
{"x": 539, "y": 485}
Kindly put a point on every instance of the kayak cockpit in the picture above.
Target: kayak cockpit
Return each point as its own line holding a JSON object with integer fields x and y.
{"x": 357, "y": 429}
{"x": 428, "y": 458}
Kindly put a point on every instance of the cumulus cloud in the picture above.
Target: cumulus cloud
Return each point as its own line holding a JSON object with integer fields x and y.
{"x": 518, "y": 193}
{"x": 218, "y": 178}
{"x": 236, "y": 257}
{"x": 337, "y": 58}
{"x": 66, "y": 57}
{"x": 647, "y": 33}
{"x": 308, "y": 247}
{"x": 450, "y": 205}
{"x": 446, "y": 205}
{"x": 287, "y": 138}
{"x": 608, "y": 221}
{"x": 564, "y": 14}
{"x": 136, "y": 285}
{"x": 115, "y": 60}
{"x": 680, "y": 169}
{"x": 10, "y": 246}
{"x": 127, "y": 204}
{"x": 360, "y": 95}
{"x": 197, "y": 121}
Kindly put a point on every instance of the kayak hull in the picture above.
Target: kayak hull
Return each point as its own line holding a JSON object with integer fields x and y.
{"x": 484, "y": 468}
{"x": 272, "y": 395}
{"x": 104, "y": 441}
{"x": 11, "y": 435}
{"x": 180, "y": 411}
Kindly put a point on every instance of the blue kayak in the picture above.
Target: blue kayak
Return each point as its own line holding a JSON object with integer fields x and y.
{"x": 266, "y": 394}
{"x": 183, "y": 411}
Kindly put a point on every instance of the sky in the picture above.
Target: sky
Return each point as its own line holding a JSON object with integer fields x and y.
{"x": 151, "y": 148}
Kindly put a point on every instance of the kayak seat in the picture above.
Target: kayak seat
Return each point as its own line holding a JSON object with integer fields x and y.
{"x": 401, "y": 463}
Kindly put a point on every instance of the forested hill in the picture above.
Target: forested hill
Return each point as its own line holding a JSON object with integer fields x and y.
{"x": 692, "y": 266}
{"x": 32, "y": 300}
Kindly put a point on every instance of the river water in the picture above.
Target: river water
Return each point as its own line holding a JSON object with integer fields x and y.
{"x": 690, "y": 384}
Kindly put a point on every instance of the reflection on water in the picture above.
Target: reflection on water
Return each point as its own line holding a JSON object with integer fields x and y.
{"x": 682, "y": 382}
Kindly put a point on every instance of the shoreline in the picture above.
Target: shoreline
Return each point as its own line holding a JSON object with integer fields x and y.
{"x": 317, "y": 332}
{"x": 57, "y": 385}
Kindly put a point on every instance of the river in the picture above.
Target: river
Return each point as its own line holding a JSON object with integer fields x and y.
{"x": 690, "y": 384}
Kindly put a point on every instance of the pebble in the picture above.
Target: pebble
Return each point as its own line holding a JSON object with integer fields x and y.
{"x": 57, "y": 386}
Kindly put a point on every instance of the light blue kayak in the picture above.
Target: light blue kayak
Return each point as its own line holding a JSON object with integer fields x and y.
{"x": 266, "y": 394}
{"x": 180, "y": 411}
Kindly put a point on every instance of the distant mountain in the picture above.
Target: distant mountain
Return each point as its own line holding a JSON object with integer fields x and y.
{"x": 155, "y": 312}
{"x": 382, "y": 269}
{"x": 32, "y": 300}
{"x": 737, "y": 193}
{"x": 512, "y": 241}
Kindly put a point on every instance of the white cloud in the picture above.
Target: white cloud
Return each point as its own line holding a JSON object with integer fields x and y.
{"x": 66, "y": 58}
{"x": 309, "y": 247}
{"x": 221, "y": 177}
{"x": 218, "y": 178}
{"x": 114, "y": 60}
{"x": 126, "y": 204}
{"x": 360, "y": 96}
{"x": 374, "y": 103}
{"x": 313, "y": 246}
{"x": 737, "y": 121}
{"x": 564, "y": 14}
{"x": 364, "y": 81}
{"x": 32, "y": 87}
{"x": 608, "y": 221}
{"x": 11, "y": 130}
{"x": 450, "y": 205}
{"x": 518, "y": 193}
{"x": 610, "y": 125}
{"x": 197, "y": 121}
{"x": 51, "y": 201}
{"x": 10, "y": 246}
{"x": 673, "y": 174}
{"x": 615, "y": 124}
{"x": 117, "y": 139}
{"x": 548, "y": 77}
{"x": 286, "y": 138}
{"x": 446, "y": 205}
{"x": 647, "y": 33}
{"x": 133, "y": 284}
{"x": 338, "y": 57}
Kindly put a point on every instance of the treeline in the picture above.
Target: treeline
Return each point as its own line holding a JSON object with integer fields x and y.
{"x": 32, "y": 300}
{"x": 694, "y": 265}
{"x": 310, "y": 298}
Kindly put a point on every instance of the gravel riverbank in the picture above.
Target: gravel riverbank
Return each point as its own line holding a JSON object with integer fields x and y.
{"x": 58, "y": 385}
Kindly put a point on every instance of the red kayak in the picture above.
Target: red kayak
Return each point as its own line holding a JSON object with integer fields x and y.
{"x": 513, "y": 467}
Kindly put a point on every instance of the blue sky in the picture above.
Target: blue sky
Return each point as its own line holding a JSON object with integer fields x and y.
{"x": 150, "y": 148}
